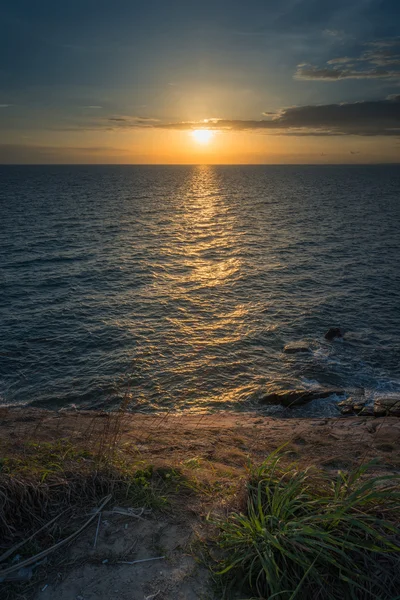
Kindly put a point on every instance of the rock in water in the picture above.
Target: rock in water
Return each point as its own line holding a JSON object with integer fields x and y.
{"x": 294, "y": 347}
{"x": 291, "y": 398}
{"x": 352, "y": 406}
{"x": 334, "y": 332}
{"x": 387, "y": 406}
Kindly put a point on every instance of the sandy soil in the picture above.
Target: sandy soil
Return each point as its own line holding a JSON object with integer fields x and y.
{"x": 103, "y": 573}
{"x": 213, "y": 449}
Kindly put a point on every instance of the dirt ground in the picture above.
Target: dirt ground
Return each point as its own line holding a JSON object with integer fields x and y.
{"x": 228, "y": 438}
{"x": 214, "y": 450}
{"x": 103, "y": 573}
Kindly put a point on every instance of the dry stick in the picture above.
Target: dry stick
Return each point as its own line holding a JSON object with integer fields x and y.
{"x": 153, "y": 596}
{"x": 97, "y": 531}
{"x": 8, "y": 553}
{"x": 128, "y": 513}
{"x": 44, "y": 553}
{"x": 142, "y": 560}
{"x": 131, "y": 547}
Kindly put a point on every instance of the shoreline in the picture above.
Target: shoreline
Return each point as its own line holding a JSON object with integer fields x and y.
{"x": 186, "y": 431}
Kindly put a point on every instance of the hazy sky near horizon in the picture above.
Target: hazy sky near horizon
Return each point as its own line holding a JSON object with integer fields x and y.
{"x": 294, "y": 81}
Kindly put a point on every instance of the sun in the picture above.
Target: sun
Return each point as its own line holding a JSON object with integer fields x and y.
{"x": 203, "y": 136}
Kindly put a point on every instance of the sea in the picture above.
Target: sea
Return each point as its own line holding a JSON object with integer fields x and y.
{"x": 172, "y": 288}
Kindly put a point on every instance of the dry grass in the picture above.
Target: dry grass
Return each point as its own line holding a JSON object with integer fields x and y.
{"x": 65, "y": 464}
{"x": 48, "y": 488}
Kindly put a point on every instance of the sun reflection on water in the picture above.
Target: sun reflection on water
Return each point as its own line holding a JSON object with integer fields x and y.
{"x": 201, "y": 263}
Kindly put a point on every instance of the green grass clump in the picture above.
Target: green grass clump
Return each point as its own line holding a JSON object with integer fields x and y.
{"x": 305, "y": 536}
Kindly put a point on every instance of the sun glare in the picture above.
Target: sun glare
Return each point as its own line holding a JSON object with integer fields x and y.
{"x": 203, "y": 136}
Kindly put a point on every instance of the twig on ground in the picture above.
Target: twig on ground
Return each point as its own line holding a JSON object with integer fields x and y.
{"x": 142, "y": 560}
{"x": 131, "y": 547}
{"x": 152, "y": 596}
{"x": 97, "y": 531}
{"x": 128, "y": 512}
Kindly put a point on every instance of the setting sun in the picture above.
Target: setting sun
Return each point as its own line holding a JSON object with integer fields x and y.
{"x": 203, "y": 136}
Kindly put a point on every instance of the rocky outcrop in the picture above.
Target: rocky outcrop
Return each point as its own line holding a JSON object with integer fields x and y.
{"x": 387, "y": 406}
{"x": 334, "y": 332}
{"x": 291, "y": 398}
{"x": 294, "y": 347}
{"x": 352, "y": 406}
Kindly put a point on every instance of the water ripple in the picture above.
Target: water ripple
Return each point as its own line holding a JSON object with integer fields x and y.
{"x": 180, "y": 285}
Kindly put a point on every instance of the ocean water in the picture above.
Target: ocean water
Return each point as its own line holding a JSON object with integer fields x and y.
{"x": 177, "y": 287}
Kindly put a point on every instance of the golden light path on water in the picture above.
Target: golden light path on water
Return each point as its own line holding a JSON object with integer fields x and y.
{"x": 201, "y": 256}
{"x": 208, "y": 244}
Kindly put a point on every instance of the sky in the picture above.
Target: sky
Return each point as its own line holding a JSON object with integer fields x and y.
{"x": 288, "y": 81}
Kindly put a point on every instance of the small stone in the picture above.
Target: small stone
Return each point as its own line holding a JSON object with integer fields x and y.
{"x": 291, "y": 398}
{"x": 387, "y": 406}
{"x": 334, "y": 332}
{"x": 351, "y": 406}
{"x": 347, "y": 410}
{"x": 294, "y": 347}
{"x": 367, "y": 411}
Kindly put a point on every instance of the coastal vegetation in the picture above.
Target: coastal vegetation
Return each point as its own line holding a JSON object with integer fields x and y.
{"x": 252, "y": 520}
{"x": 304, "y": 535}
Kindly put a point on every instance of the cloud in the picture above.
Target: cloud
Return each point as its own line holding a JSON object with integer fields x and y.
{"x": 111, "y": 123}
{"x": 34, "y": 153}
{"x": 380, "y": 59}
{"x": 389, "y": 42}
{"x": 5, "y": 105}
{"x": 309, "y": 72}
{"x": 335, "y": 33}
{"x": 93, "y": 106}
{"x": 366, "y": 118}
{"x": 133, "y": 121}
{"x": 339, "y": 61}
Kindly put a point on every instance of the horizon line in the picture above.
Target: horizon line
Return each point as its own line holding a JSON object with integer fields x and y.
{"x": 367, "y": 164}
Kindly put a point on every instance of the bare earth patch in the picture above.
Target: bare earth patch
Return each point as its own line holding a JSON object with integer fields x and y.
{"x": 101, "y": 573}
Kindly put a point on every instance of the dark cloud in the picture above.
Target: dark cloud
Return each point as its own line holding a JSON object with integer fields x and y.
{"x": 309, "y": 72}
{"x": 133, "y": 121}
{"x": 367, "y": 118}
{"x": 33, "y": 153}
{"x": 380, "y": 59}
{"x": 364, "y": 118}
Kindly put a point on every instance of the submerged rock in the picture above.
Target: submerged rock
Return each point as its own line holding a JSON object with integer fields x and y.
{"x": 294, "y": 347}
{"x": 352, "y": 406}
{"x": 334, "y": 332}
{"x": 387, "y": 406}
{"x": 291, "y": 398}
